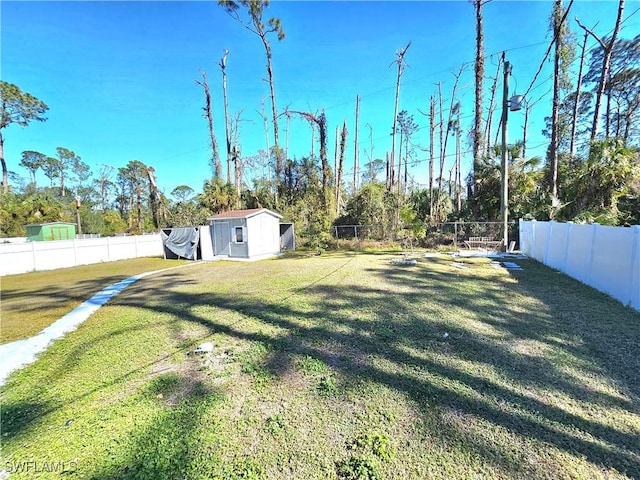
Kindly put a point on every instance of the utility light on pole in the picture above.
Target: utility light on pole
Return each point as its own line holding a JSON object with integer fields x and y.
{"x": 514, "y": 104}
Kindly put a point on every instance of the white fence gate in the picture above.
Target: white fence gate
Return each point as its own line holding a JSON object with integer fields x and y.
{"x": 606, "y": 258}
{"x": 30, "y": 256}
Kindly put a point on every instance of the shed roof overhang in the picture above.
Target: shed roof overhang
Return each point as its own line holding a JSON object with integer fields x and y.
{"x": 234, "y": 214}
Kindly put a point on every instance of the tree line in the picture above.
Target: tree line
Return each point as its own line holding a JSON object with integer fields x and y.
{"x": 591, "y": 171}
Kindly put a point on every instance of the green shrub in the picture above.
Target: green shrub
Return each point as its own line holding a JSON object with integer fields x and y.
{"x": 358, "y": 467}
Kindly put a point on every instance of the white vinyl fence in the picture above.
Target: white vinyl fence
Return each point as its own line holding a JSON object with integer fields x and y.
{"x": 35, "y": 256}
{"x": 606, "y": 258}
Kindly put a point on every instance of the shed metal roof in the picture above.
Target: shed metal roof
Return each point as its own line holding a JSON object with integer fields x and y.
{"x": 243, "y": 214}
{"x": 49, "y": 223}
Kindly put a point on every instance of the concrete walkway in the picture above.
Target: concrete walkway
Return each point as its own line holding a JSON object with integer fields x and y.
{"x": 20, "y": 353}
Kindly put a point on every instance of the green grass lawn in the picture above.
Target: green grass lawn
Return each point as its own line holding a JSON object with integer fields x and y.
{"x": 33, "y": 301}
{"x": 342, "y": 366}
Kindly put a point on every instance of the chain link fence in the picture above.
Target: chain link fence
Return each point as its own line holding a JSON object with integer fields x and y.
{"x": 448, "y": 234}
{"x": 455, "y": 233}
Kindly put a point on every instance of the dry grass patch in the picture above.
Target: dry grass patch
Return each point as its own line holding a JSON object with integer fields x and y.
{"x": 32, "y": 301}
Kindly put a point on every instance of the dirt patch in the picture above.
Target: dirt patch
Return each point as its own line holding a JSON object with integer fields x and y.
{"x": 189, "y": 377}
{"x": 280, "y": 365}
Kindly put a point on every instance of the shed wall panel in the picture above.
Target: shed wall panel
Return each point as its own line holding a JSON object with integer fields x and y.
{"x": 263, "y": 235}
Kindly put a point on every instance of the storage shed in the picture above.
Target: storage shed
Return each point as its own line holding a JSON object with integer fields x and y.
{"x": 51, "y": 231}
{"x": 246, "y": 234}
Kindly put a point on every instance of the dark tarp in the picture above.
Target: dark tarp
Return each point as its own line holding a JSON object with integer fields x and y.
{"x": 182, "y": 241}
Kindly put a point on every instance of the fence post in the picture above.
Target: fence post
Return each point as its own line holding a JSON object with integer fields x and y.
{"x": 33, "y": 254}
{"x": 567, "y": 242}
{"x": 75, "y": 253}
{"x": 523, "y": 230}
{"x": 589, "y": 280}
{"x": 455, "y": 235}
{"x": 634, "y": 270}
{"x": 532, "y": 244}
{"x": 547, "y": 245}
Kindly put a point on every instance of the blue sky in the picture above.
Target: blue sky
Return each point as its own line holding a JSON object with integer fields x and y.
{"x": 119, "y": 77}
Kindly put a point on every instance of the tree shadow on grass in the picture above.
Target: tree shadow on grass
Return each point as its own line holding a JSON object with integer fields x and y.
{"x": 398, "y": 318}
{"x": 176, "y": 443}
{"x": 76, "y": 291}
{"x": 332, "y": 333}
{"x": 27, "y": 311}
{"x": 18, "y": 416}
{"x": 586, "y": 326}
{"x": 93, "y": 341}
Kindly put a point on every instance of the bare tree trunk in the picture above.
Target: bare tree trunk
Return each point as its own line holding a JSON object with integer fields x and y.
{"x": 63, "y": 189}
{"x": 274, "y": 111}
{"x": 606, "y": 68}
{"x": 498, "y": 132}
{"x": 487, "y": 129}
{"x": 104, "y": 180}
{"x": 607, "y": 125}
{"x": 132, "y": 191}
{"x": 223, "y": 67}
{"x": 263, "y": 114}
{"x": 525, "y": 127}
{"x": 154, "y": 197}
{"x": 406, "y": 163}
{"x": 400, "y": 61}
{"x": 356, "y": 153}
{"x": 557, "y": 26}
{"x": 321, "y": 122}
{"x": 326, "y": 170}
{"x": 450, "y": 116}
{"x": 265, "y": 122}
{"x": 479, "y": 79}
{"x": 236, "y": 155}
{"x": 139, "y": 208}
{"x": 458, "y": 173}
{"x": 399, "y": 179}
{"x": 343, "y": 147}
{"x": 606, "y": 65}
{"x": 215, "y": 156}
{"x": 441, "y": 128}
{"x": 370, "y": 152}
{"x": 388, "y": 179}
{"x": 336, "y": 150}
{"x": 576, "y": 103}
{"x": 627, "y": 124}
{"x": 5, "y": 174}
{"x": 255, "y": 25}
{"x": 286, "y": 145}
{"x": 313, "y": 139}
{"x": 627, "y": 131}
